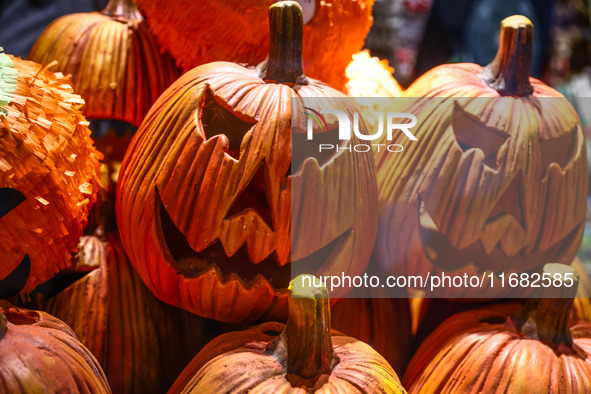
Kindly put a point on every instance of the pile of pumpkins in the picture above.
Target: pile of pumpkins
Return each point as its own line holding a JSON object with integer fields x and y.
{"x": 148, "y": 249}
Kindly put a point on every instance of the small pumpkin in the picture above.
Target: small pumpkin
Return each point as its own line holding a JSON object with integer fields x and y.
{"x": 134, "y": 336}
{"x": 49, "y": 174}
{"x": 492, "y": 184}
{"x": 508, "y": 348}
{"x": 383, "y": 323}
{"x": 205, "y": 190}
{"x": 40, "y": 354}
{"x": 114, "y": 60}
{"x": 302, "y": 355}
{"x": 199, "y": 32}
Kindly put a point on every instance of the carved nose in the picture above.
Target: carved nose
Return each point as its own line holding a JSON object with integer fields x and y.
{"x": 511, "y": 201}
{"x": 253, "y": 197}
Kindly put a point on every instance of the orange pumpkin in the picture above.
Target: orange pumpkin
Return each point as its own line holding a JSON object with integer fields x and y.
{"x": 508, "y": 348}
{"x": 135, "y": 337}
{"x": 40, "y": 354}
{"x": 198, "y": 32}
{"x": 114, "y": 60}
{"x": 204, "y": 192}
{"x": 383, "y": 323}
{"x": 300, "y": 356}
{"x": 49, "y": 174}
{"x": 492, "y": 184}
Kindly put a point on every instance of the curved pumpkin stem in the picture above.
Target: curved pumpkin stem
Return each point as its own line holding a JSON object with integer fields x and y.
{"x": 285, "y": 63}
{"x": 306, "y": 341}
{"x": 123, "y": 8}
{"x": 509, "y": 71}
{"x": 547, "y": 318}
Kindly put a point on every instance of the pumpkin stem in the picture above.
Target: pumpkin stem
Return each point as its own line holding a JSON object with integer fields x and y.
{"x": 509, "y": 71}
{"x": 306, "y": 337}
{"x": 285, "y": 63}
{"x": 126, "y": 9}
{"x": 546, "y": 318}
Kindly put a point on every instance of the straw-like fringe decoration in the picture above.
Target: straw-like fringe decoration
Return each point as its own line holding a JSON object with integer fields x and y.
{"x": 47, "y": 154}
{"x": 198, "y": 32}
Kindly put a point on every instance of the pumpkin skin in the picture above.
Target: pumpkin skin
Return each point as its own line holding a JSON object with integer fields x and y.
{"x": 47, "y": 157}
{"x": 198, "y": 32}
{"x": 114, "y": 60}
{"x": 510, "y": 203}
{"x": 383, "y": 323}
{"x": 190, "y": 198}
{"x": 303, "y": 356}
{"x": 138, "y": 345}
{"x": 39, "y": 353}
{"x": 507, "y": 348}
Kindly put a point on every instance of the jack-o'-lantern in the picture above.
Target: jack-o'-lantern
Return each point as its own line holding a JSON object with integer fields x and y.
{"x": 497, "y": 179}
{"x": 40, "y": 354}
{"x": 509, "y": 348}
{"x": 302, "y": 356}
{"x": 198, "y": 32}
{"x": 49, "y": 175}
{"x": 205, "y": 189}
{"x": 113, "y": 58}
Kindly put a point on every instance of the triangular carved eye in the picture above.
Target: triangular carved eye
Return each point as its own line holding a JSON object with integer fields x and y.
{"x": 9, "y": 199}
{"x": 470, "y": 133}
{"x": 216, "y": 120}
{"x": 559, "y": 150}
{"x": 253, "y": 197}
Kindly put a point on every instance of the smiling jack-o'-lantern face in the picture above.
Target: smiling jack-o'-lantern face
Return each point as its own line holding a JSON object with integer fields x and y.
{"x": 48, "y": 176}
{"x": 205, "y": 191}
{"x": 501, "y": 182}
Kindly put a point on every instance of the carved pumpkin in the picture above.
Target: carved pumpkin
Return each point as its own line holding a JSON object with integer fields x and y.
{"x": 383, "y": 323}
{"x": 135, "y": 337}
{"x": 301, "y": 355}
{"x": 203, "y": 200}
{"x": 40, "y": 354}
{"x": 114, "y": 60}
{"x": 507, "y": 348}
{"x": 198, "y": 32}
{"x": 48, "y": 175}
{"x": 491, "y": 184}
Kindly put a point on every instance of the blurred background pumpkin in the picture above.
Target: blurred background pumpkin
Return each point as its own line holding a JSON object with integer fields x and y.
{"x": 115, "y": 63}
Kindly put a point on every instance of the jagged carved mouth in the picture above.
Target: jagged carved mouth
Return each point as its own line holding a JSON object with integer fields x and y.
{"x": 443, "y": 254}
{"x": 16, "y": 280}
{"x": 191, "y": 263}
